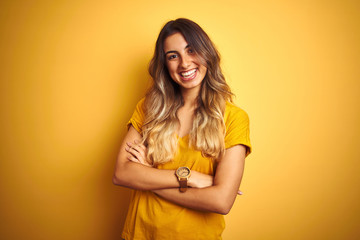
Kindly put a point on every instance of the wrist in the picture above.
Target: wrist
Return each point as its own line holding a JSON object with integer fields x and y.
{"x": 200, "y": 180}
{"x": 183, "y": 174}
{"x": 192, "y": 179}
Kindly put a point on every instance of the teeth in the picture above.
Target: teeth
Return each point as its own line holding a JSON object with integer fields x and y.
{"x": 188, "y": 73}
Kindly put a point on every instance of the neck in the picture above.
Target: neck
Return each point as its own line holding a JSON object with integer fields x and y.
{"x": 190, "y": 97}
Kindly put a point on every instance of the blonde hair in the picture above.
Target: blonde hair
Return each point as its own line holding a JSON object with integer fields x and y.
{"x": 163, "y": 99}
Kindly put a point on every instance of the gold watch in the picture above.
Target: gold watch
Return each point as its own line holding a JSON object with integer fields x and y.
{"x": 183, "y": 174}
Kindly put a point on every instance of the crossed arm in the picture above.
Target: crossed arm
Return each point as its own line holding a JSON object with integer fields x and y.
{"x": 207, "y": 193}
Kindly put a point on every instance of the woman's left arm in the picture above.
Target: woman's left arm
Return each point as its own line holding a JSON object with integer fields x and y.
{"x": 220, "y": 197}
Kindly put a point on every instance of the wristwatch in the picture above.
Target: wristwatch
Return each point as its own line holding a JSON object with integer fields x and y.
{"x": 183, "y": 174}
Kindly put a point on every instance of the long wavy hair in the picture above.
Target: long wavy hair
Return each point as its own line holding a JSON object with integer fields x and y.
{"x": 163, "y": 99}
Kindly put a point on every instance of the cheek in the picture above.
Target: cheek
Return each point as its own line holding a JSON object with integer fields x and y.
{"x": 171, "y": 68}
{"x": 203, "y": 69}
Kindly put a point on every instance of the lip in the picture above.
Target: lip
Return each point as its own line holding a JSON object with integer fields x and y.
{"x": 191, "y": 77}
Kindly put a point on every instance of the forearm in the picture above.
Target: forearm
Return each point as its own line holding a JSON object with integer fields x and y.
{"x": 220, "y": 197}
{"x": 133, "y": 171}
{"x": 213, "y": 199}
{"x": 138, "y": 176}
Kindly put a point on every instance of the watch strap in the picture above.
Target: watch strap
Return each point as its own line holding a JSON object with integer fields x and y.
{"x": 183, "y": 184}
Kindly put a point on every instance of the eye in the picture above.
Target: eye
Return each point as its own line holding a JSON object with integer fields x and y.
{"x": 172, "y": 56}
{"x": 191, "y": 51}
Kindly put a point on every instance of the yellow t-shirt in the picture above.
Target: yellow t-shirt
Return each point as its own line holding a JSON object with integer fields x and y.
{"x": 152, "y": 217}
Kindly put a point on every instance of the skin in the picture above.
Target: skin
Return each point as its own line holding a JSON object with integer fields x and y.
{"x": 181, "y": 58}
{"x": 215, "y": 194}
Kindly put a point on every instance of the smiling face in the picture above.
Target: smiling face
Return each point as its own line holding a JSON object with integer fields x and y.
{"x": 184, "y": 65}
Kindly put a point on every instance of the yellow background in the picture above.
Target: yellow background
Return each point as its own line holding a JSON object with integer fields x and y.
{"x": 71, "y": 74}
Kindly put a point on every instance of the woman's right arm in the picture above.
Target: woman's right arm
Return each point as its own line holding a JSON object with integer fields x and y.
{"x": 138, "y": 176}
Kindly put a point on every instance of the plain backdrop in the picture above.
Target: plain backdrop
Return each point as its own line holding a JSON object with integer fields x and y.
{"x": 71, "y": 73}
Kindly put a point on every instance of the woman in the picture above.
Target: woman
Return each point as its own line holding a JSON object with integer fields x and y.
{"x": 186, "y": 144}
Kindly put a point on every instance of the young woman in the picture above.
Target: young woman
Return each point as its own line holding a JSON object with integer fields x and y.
{"x": 186, "y": 144}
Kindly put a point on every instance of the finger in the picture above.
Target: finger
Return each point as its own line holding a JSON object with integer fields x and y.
{"x": 138, "y": 160}
{"x": 131, "y": 149}
{"x": 134, "y": 146}
{"x": 135, "y": 154}
{"x": 130, "y": 145}
{"x": 142, "y": 146}
{"x": 141, "y": 149}
{"x": 139, "y": 144}
{"x": 239, "y": 192}
{"x": 133, "y": 159}
{"x": 138, "y": 151}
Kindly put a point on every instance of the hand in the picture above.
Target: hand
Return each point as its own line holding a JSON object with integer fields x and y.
{"x": 137, "y": 153}
{"x": 200, "y": 180}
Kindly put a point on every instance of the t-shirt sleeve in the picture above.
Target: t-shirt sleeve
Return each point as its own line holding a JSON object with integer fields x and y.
{"x": 137, "y": 119}
{"x": 237, "y": 129}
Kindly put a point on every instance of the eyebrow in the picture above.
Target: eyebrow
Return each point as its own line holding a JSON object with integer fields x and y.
{"x": 187, "y": 46}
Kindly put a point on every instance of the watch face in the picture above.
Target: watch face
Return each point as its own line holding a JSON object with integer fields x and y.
{"x": 183, "y": 172}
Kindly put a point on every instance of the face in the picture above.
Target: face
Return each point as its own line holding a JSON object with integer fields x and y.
{"x": 184, "y": 65}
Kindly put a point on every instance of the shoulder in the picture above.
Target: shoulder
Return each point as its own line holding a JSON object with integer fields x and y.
{"x": 234, "y": 113}
{"x": 137, "y": 118}
{"x": 140, "y": 107}
{"x": 237, "y": 127}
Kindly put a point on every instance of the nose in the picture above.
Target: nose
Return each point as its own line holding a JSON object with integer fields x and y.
{"x": 185, "y": 61}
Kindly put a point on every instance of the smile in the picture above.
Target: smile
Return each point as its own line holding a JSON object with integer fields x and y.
{"x": 188, "y": 74}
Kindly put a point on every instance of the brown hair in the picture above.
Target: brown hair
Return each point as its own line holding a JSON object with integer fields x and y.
{"x": 163, "y": 99}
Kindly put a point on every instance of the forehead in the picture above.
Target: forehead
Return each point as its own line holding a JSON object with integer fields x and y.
{"x": 175, "y": 42}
